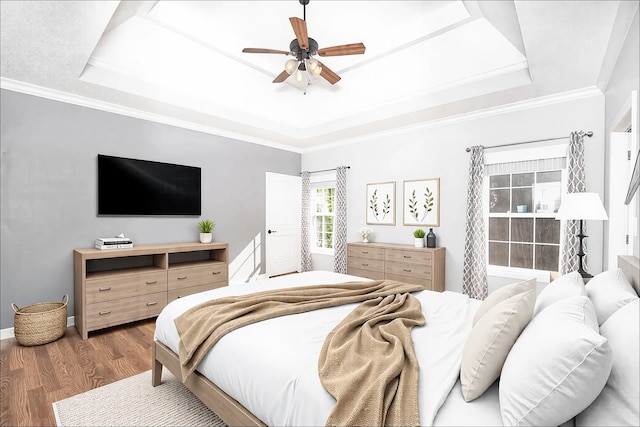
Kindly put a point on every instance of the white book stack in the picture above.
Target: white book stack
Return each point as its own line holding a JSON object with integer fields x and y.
{"x": 113, "y": 243}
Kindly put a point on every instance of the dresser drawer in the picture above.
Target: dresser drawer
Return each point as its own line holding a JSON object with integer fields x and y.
{"x": 186, "y": 277}
{"x": 179, "y": 293}
{"x": 407, "y": 256}
{"x": 366, "y": 264}
{"x": 374, "y": 275}
{"x": 427, "y": 283}
{"x": 364, "y": 252}
{"x": 411, "y": 270}
{"x": 110, "y": 313}
{"x": 124, "y": 286}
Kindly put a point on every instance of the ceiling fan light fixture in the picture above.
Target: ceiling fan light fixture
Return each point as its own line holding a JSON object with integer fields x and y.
{"x": 298, "y": 75}
{"x": 312, "y": 65}
{"x": 290, "y": 65}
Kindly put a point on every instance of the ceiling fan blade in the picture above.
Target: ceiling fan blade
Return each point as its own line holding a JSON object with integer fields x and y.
{"x": 260, "y": 50}
{"x": 329, "y": 75}
{"x": 281, "y": 77}
{"x": 300, "y": 28}
{"x": 345, "y": 49}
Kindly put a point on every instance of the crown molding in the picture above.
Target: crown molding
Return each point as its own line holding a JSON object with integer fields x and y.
{"x": 61, "y": 96}
{"x": 56, "y": 95}
{"x": 473, "y": 115}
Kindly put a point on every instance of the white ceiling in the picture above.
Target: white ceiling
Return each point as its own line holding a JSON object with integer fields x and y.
{"x": 181, "y": 62}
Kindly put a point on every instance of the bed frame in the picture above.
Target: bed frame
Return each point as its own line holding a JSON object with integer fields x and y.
{"x": 227, "y": 408}
{"x": 232, "y": 412}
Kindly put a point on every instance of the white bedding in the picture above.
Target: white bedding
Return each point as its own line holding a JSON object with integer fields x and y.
{"x": 271, "y": 367}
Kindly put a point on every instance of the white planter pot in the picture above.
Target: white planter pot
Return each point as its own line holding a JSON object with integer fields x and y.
{"x": 419, "y": 242}
{"x": 206, "y": 237}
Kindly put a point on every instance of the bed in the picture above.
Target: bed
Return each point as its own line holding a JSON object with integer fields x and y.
{"x": 266, "y": 373}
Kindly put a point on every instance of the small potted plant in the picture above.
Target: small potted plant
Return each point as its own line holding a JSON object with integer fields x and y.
{"x": 419, "y": 238}
{"x": 206, "y": 227}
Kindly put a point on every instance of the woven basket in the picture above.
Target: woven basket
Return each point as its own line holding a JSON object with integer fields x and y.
{"x": 40, "y": 323}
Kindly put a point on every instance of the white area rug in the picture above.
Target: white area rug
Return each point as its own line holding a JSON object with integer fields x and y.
{"x": 134, "y": 402}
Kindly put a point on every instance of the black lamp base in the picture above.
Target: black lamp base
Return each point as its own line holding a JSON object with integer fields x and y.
{"x": 581, "y": 255}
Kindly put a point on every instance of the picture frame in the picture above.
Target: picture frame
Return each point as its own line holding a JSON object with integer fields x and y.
{"x": 421, "y": 202}
{"x": 381, "y": 203}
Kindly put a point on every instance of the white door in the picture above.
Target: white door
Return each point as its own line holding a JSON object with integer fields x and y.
{"x": 282, "y": 219}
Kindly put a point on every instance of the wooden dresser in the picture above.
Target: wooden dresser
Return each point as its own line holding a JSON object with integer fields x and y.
{"x": 404, "y": 263}
{"x": 116, "y": 286}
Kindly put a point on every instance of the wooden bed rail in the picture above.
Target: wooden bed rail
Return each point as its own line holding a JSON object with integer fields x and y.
{"x": 227, "y": 408}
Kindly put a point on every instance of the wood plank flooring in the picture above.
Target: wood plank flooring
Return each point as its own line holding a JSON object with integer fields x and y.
{"x": 32, "y": 378}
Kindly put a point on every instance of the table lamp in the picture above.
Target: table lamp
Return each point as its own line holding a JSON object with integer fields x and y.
{"x": 582, "y": 206}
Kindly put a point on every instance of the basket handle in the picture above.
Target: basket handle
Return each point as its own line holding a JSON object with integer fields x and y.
{"x": 15, "y": 307}
{"x": 65, "y": 299}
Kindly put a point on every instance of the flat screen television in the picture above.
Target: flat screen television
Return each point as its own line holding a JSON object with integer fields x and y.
{"x": 141, "y": 187}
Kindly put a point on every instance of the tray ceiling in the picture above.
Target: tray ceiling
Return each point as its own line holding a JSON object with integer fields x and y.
{"x": 181, "y": 61}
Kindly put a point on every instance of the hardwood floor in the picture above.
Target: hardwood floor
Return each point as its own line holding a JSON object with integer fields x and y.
{"x": 32, "y": 378}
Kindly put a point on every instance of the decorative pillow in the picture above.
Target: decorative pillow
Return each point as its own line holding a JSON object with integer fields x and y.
{"x": 619, "y": 402}
{"x": 568, "y": 285}
{"x": 490, "y": 340}
{"x": 502, "y": 294}
{"x": 557, "y": 367}
{"x": 609, "y": 291}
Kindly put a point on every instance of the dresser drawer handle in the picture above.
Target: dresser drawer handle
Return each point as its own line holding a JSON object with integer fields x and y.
{"x": 152, "y": 303}
{"x": 182, "y": 277}
{"x": 365, "y": 252}
{"x": 216, "y": 272}
{"x": 152, "y": 282}
{"x": 408, "y": 270}
{"x": 102, "y": 313}
{"x": 407, "y": 256}
{"x": 104, "y": 289}
{"x": 365, "y": 265}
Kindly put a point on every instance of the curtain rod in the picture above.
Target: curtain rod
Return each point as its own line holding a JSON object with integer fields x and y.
{"x": 589, "y": 134}
{"x": 325, "y": 170}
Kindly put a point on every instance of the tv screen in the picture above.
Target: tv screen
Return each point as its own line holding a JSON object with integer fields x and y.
{"x": 142, "y": 187}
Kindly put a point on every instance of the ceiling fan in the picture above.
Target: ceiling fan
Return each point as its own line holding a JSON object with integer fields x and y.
{"x": 303, "y": 48}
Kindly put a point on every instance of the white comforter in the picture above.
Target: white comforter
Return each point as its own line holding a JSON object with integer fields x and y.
{"x": 271, "y": 367}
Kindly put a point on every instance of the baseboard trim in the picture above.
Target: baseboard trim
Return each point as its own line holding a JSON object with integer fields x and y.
{"x": 9, "y": 332}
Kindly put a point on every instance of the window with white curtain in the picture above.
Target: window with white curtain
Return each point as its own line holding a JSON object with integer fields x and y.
{"x": 322, "y": 215}
{"x": 522, "y": 197}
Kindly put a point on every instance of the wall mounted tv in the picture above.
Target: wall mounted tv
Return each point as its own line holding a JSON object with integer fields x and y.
{"x": 142, "y": 187}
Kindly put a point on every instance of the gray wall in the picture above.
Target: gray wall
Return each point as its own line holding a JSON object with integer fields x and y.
{"x": 48, "y": 190}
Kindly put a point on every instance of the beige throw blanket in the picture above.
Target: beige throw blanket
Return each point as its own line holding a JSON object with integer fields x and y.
{"x": 367, "y": 362}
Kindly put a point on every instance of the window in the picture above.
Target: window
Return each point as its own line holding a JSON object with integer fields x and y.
{"x": 522, "y": 232}
{"x": 322, "y": 197}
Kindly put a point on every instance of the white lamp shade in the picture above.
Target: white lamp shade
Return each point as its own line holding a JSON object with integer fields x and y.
{"x": 581, "y": 206}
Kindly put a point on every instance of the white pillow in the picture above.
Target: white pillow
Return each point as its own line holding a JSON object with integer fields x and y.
{"x": 609, "y": 291}
{"x": 489, "y": 343}
{"x": 568, "y": 285}
{"x": 619, "y": 402}
{"x": 557, "y": 367}
{"x": 502, "y": 294}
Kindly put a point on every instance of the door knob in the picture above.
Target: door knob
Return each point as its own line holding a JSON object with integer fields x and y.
{"x": 271, "y": 231}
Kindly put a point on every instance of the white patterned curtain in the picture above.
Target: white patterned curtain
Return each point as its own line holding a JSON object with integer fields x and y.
{"x": 305, "y": 252}
{"x": 575, "y": 184}
{"x": 340, "y": 221}
{"x": 474, "y": 274}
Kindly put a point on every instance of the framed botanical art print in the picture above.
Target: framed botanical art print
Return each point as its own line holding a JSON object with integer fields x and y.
{"x": 381, "y": 203}
{"x": 421, "y": 202}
